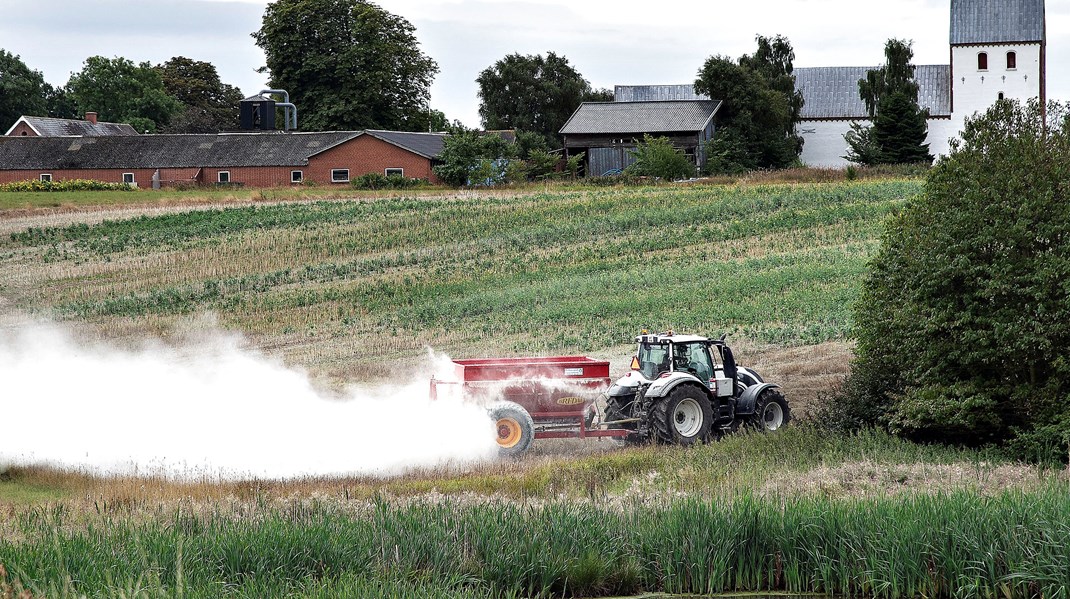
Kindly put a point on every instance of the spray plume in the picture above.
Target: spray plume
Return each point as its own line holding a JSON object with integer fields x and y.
{"x": 213, "y": 409}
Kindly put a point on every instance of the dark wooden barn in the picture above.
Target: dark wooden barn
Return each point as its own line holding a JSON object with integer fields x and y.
{"x": 606, "y": 131}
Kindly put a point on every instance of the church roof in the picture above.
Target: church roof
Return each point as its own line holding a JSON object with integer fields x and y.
{"x": 995, "y": 21}
{"x": 832, "y": 92}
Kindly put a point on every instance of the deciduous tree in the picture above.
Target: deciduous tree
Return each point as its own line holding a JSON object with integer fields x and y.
{"x": 756, "y": 123}
{"x": 964, "y": 322}
{"x": 469, "y": 152}
{"x": 209, "y": 105}
{"x": 123, "y": 92}
{"x": 347, "y": 64}
{"x": 533, "y": 93}
{"x": 22, "y": 90}
{"x": 656, "y": 157}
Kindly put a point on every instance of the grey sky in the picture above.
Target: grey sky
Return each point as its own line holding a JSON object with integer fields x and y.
{"x": 609, "y": 42}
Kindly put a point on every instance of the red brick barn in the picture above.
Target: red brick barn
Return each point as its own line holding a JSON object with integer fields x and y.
{"x": 253, "y": 159}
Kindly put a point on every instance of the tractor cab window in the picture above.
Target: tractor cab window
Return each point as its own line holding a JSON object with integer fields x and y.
{"x": 693, "y": 358}
{"x": 653, "y": 359}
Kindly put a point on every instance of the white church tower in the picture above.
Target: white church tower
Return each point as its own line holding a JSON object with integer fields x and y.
{"x": 997, "y": 51}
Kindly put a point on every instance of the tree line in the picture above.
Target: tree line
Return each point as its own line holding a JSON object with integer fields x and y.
{"x": 351, "y": 65}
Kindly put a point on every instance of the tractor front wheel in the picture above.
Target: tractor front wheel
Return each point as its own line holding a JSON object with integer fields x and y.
{"x": 771, "y": 411}
{"x": 514, "y": 426}
{"x": 684, "y": 417}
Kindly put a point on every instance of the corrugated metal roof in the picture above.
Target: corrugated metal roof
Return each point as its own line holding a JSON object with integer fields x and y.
{"x": 641, "y": 117}
{"x": 832, "y": 92}
{"x": 655, "y": 93}
{"x": 993, "y": 21}
{"x": 166, "y": 151}
{"x": 53, "y": 127}
{"x": 428, "y": 145}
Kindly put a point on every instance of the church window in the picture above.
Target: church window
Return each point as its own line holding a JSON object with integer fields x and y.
{"x": 982, "y": 61}
{"x": 1012, "y": 60}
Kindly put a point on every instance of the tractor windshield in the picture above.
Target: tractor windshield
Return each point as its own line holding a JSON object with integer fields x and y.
{"x": 653, "y": 359}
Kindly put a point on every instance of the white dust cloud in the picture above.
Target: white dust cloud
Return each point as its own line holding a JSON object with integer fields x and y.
{"x": 213, "y": 409}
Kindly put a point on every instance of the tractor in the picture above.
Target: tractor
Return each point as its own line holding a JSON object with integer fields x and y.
{"x": 686, "y": 389}
{"x": 682, "y": 389}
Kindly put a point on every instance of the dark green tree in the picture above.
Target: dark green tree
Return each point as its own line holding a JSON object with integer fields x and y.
{"x": 963, "y": 325}
{"x": 120, "y": 91}
{"x": 347, "y": 64}
{"x": 209, "y": 105}
{"x": 60, "y": 103}
{"x": 533, "y": 93}
{"x": 756, "y": 123}
{"x": 773, "y": 61}
{"x": 890, "y": 92}
{"x": 22, "y": 90}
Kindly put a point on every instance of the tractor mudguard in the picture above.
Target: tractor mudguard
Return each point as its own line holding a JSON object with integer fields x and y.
{"x": 746, "y": 401}
{"x": 671, "y": 382}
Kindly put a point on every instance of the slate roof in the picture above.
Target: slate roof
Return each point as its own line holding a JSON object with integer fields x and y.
{"x": 639, "y": 117}
{"x": 994, "y": 21}
{"x": 428, "y": 145}
{"x": 52, "y": 127}
{"x": 166, "y": 151}
{"x": 832, "y": 92}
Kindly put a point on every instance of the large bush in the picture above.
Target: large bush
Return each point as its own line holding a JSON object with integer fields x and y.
{"x": 964, "y": 321}
{"x": 656, "y": 157}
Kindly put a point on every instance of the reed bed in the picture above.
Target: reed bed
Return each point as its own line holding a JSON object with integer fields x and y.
{"x": 1014, "y": 544}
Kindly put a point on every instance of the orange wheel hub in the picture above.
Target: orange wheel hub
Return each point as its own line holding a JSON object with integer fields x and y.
{"x": 509, "y": 432}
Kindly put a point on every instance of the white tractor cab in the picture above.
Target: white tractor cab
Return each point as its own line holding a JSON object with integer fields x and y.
{"x": 685, "y": 388}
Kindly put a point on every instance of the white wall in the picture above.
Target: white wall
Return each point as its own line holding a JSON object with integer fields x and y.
{"x": 974, "y": 90}
{"x": 824, "y": 145}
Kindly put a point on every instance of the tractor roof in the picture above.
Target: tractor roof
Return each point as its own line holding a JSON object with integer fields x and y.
{"x": 669, "y": 337}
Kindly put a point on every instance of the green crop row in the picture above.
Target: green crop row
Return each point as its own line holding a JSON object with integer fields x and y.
{"x": 570, "y": 270}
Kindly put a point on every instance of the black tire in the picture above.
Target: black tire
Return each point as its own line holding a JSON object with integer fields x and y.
{"x": 771, "y": 411}
{"x": 515, "y": 428}
{"x": 684, "y": 417}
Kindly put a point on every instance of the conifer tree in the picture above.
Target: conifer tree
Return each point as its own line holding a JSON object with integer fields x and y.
{"x": 899, "y": 127}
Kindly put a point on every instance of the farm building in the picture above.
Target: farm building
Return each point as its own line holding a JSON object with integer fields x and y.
{"x": 255, "y": 159}
{"x": 43, "y": 126}
{"x": 606, "y": 131}
{"x": 997, "y": 51}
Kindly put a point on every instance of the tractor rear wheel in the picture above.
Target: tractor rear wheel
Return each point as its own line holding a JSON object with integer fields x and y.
{"x": 771, "y": 411}
{"x": 684, "y": 417}
{"x": 515, "y": 428}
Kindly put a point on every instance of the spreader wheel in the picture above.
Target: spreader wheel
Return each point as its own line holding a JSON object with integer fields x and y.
{"x": 514, "y": 426}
